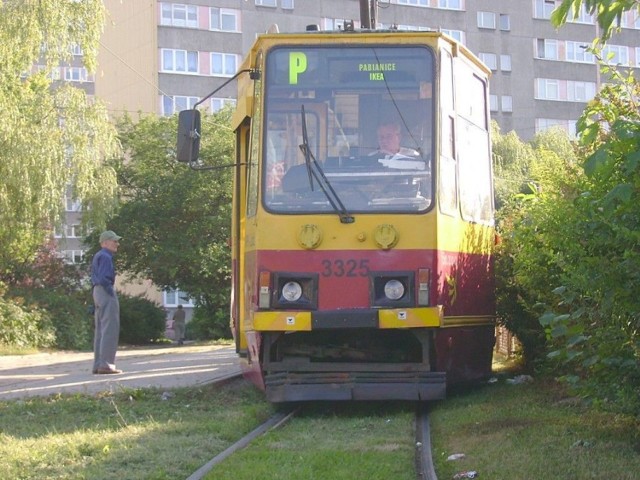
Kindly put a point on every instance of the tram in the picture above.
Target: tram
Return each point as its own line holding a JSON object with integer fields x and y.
{"x": 363, "y": 220}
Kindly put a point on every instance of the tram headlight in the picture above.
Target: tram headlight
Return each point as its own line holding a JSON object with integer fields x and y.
{"x": 292, "y": 291}
{"x": 295, "y": 291}
{"x": 393, "y": 289}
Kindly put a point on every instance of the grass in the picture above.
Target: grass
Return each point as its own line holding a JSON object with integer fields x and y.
{"x": 530, "y": 431}
{"x": 507, "y": 432}
{"x": 133, "y": 434}
{"x": 330, "y": 441}
{"x": 13, "y": 350}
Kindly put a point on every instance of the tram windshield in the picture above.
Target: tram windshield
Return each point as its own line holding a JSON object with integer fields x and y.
{"x": 351, "y": 125}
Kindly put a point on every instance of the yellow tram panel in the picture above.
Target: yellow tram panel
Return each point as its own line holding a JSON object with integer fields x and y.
{"x": 282, "y": 321}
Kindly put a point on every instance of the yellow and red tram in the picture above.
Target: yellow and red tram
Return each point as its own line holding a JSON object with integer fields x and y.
{"x": 362, "y": 273}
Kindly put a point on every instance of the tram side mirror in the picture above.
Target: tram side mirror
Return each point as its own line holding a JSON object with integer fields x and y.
{"x": 188, "y": 136}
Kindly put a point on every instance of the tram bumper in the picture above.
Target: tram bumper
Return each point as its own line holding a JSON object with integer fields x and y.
{"x": 294, "y": 376}
{"x": 284, "y": 321}
{"x": 296, "y": 387}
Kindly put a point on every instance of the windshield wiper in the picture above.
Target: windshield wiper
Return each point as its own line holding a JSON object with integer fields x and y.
{"x": 314, "y": 171}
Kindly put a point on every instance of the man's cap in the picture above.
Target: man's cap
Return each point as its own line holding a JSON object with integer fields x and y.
{"x": 109, "y": 235}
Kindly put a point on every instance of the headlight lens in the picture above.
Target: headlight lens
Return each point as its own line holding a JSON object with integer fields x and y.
{"x": 291, "y": 291}
{"x": 393, "y": 290}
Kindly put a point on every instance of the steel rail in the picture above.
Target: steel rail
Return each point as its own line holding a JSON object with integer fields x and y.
{"x": 424, "y": 459}
{"x": 274, "y": 422}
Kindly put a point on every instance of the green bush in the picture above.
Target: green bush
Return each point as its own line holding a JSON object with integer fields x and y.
{"x": 570, "y": 253}
{"x": 24, "y": 327}
{"x": 208, "y": 325}
{"x": 141, "y": 320}
{"x": 67, "y": 311}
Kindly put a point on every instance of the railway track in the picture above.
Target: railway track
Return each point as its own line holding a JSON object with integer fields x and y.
{"x": 423, "y": 458}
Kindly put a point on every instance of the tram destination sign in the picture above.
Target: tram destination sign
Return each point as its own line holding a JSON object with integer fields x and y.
{"x": 335, "y": 66}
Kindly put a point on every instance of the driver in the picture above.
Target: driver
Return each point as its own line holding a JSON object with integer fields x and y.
{"x": 391, "y": 154}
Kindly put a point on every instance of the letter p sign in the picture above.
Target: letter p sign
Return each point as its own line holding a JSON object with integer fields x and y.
{"x": 297, "y": 65}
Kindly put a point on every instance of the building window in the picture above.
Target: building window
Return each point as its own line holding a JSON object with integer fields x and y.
{"x": 564, "y": 90}
{"x": 73, "y": 231}
{"x": 287, "y": 4}
{"x": 267, "y": 3}
{"x": 493, "y": 103}
{"x": 410, "y": 28}
{"x": 637, "y": 56}
{"x": 569, "y": 126}
{"x": 224, "y": 19}
{"x": 73, "y": 256}
{"x": 486, "y": 20}
{"x": 76, "y": 50}
{"x": 583, "y": 16}
{"x": 506, "y": 103}
{"x": 218, "y": 104}
{"x": 505, "y": 63}
{"x": 489, "y": 59}
{"x": 330, "y": 24}
{"x": 72, "y": 204}
{"x": 177, "y": 103}
{"x": 577, "y": 52}
{"x": 451, "y": 4}
{"x": 580, "y": 91}
{"x": 415, "y": 3}
{"x": 173, "y": 298}
{"x": 547, "y": 49}
{"x": 179, "y": 61}
{"x": 543, "y": 8}
{"x": 547, "y": 89}
{"x": 76, "y": 74}
{"x": 179, "y": 15}
{"x": 457, "y": 34}
{"x": 616, "y": 55}
{"x": 224, "y": 64}
{"x": 505, "y": 22}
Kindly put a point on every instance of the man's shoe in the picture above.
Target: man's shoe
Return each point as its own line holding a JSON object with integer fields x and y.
{"x": 108, "y": 371}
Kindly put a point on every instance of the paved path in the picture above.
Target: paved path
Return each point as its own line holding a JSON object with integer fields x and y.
{"x": 43, "y": 374}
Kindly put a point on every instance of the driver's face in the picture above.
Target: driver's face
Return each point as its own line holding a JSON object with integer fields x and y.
{"x": 389, "y": 138}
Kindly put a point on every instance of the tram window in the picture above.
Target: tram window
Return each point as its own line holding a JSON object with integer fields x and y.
{"x": 346, "y": 91}
{"x": 471, "y": 98}
{"x": 254, "y": 151}
{"x": 476, "y": 199}
{"x": 283, "y": 140}
{"x": 472, "y": 147}
{"x": 447, "y": 184}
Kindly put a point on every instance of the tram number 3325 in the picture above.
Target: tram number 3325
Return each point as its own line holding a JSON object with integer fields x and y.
{"x": 345, "y": 268}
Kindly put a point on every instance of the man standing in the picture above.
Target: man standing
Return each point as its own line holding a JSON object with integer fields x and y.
{"x": 179, "y": 324}
{"x": 107, "y": 307}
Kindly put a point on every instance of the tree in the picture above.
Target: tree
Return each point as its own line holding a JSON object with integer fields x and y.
{"x": 176, "y": 222}
{"x": 608, "y": 13}
{"x": 512, "y": 159}
{"x": 51, "y": 139}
